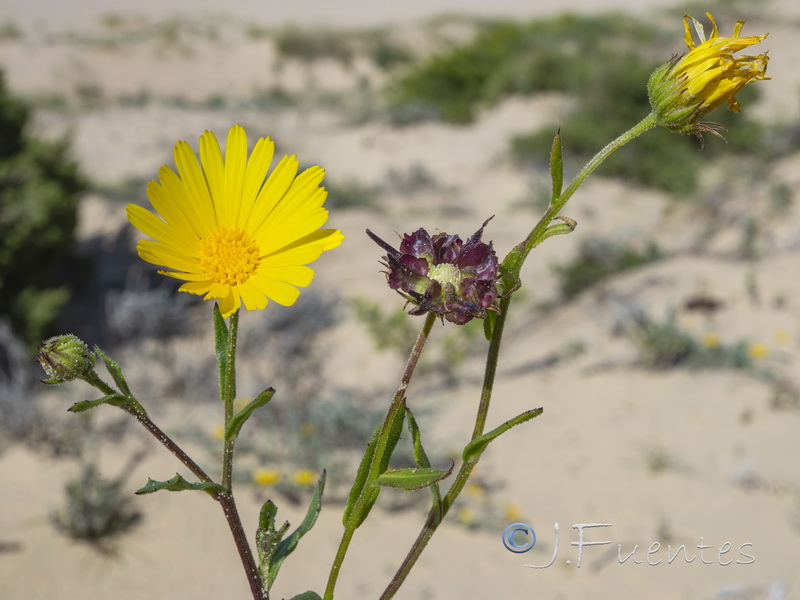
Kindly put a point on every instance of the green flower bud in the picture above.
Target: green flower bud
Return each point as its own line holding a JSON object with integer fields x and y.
{"x": 64, "y": 358}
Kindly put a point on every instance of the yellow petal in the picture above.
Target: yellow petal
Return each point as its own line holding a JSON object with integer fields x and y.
{"x": 235, "y": 166}
{"x": 214, "y": 169}
{"x": 195, "y": 185}
{"x": 275, "y": 187}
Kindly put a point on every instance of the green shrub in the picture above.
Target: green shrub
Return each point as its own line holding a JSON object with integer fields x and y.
{"x": 39, "y": 187}
{"x": 598, "y": 259}
{"x": 664, "y": 345}
{"x": 508, "y": 58}
{"x": 309, "y": 45}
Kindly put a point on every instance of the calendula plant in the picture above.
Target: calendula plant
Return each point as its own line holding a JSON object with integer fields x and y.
{"x": 240, "y": 237}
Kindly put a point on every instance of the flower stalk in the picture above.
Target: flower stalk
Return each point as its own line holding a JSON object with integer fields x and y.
{"x": 382, "y": 447}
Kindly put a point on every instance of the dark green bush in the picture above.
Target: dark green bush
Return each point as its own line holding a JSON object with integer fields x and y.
{"x": 39, "y": 187}
{"x": 598, "y": 259}
{"x": 508, "y": 58}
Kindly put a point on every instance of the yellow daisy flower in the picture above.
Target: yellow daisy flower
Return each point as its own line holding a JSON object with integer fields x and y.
{"x": 688, "y": 88}
{"x": 228, "y": 233}
{"x": 266, "y": 477}
{"x": 304, "y": 478}
{"x": 710, "y": 340}
{"x": 758, "y": 351}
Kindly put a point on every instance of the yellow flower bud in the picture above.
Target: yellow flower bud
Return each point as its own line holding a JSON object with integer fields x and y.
{"x": 687, "y": 88}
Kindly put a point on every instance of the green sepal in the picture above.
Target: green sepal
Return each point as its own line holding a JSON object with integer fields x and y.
{"x": 421, "y": 458}
{"x": 115, "y": 371}
{"x": 307, "y": 596}
{"x": 556, "y": 166}
{"x": 84, "y": 405}
{"x": 179, "y": 484}
{"x": 475, "y": 448}
{"x": 239, "y": 419}
{"x": 410, "y": 479}
{"x": 272, "y": 549}
{"x": 221, "y": 346}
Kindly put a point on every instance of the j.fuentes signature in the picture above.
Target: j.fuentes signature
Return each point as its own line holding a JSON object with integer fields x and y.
{"x": 520, "y": 537}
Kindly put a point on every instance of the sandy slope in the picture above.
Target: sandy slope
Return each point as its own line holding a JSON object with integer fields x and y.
{"x": 672, "y": 456}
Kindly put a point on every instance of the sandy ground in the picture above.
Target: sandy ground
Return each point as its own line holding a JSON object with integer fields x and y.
{"x": 665, "y": 458}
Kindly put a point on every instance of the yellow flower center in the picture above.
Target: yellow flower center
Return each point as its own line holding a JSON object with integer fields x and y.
{"x": 229, "y": 256}
{"x": 446, "y": 273}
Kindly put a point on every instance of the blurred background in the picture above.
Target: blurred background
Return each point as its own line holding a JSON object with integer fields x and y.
{"x": 661, "y": 337}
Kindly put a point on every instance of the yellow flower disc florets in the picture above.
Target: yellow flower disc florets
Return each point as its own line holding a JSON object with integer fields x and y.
{"x": 446, "y": 273}
{"x": 229, "y": 256}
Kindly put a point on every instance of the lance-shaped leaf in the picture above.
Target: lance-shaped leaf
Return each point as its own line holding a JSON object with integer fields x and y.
{"x": 239, "y": 419}
{"x": 281, "y": 548}
{"x": 268, "y": 538}
{"x": 115, "y": 372}
{"x": 374, "y": 462}
{"x": 475, "y": 448}
{"x": 221, "y": 346}
{"x": 556, "y": 166}
{"x": 362, "y": 497}
{"x": 84, "y": 405}
{"x": 489, "y": 323}
{"x": 410, "y": 478}
{"x": 179, "y": 484}
{"x": 421, "y": 458}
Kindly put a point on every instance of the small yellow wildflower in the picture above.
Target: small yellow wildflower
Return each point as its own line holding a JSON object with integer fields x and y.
{"x": 218, "y": 433}
{"x": 757, "y": 351}
{"x": 308, "y": 429}
{"x": 687, "y": 88}
{"x": 513, "y": 512}
{"x": 475, "y": 490}
{"x": 466, "y": 516}
{"x": 710, "y": 340}
{"x": 304, "y": 478}
{"x": 228, "y": 233}
{"x": 266, "y": 476}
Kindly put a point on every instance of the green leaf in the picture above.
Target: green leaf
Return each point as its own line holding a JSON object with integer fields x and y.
{"x": 307, "y": 596}
{"x": 556, "y": 166}
{"x": 374, "y": 462}
{"x": 421, "y": 458}
{"x": 239, "y": 419}
{"x": 361, "y": 476}
{"x": 285, "y": 547}
{"x": 268, "y": 538}
{"x": 84, "y": 405}
{"x": 488, "y": 324}
{"x": 411, "y": 479}
{"x": 115, "y": 372}
{"x": 179, "y": 484}
{"x": 221, "y": 346}
{"x": 383, "y": 455}
{"x": 475, "y": 448}
{"x": 568, "y": 226}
